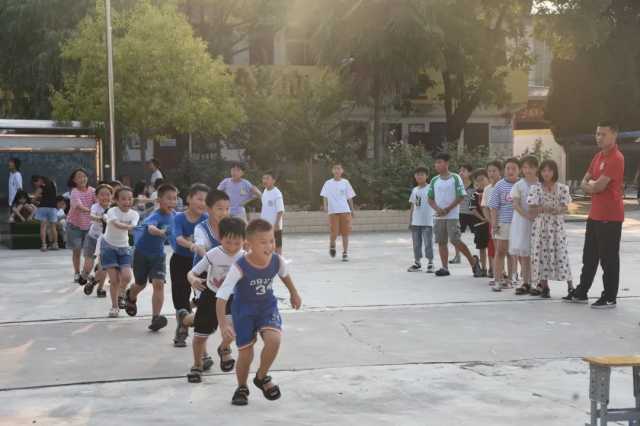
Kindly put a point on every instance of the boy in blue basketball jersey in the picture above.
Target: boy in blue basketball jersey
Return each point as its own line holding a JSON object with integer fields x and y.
{"x": 255, "y": 308}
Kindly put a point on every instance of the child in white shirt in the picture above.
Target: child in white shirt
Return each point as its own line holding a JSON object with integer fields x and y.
{"x": 273, "y": 207}
{"x": 421, "y": 221}
{"x": 338, "y": 197}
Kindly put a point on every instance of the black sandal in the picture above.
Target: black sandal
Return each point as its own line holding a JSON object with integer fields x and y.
{"x": 536, "y": 291}
{"x": 228, "y": 365}
{"x": 207, "y": 362}
{"x": 101, "y": 293}
{"x": 523, "y": 289}
{"x": 131, "y": 307}
{"x": 194, "y": 375}
{"x": 240, "y": 396}
{"x": 271, "y": 393}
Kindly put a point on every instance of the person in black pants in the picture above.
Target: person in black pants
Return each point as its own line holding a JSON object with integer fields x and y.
{"x": 603, "y": 181}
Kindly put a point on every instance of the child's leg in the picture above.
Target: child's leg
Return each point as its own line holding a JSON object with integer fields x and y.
{"x": 416, "y": 237}
{"x": 501, "y": 252}
{"x": 199, "y": 349}
{"x": 525, "y": 261}
{"x": 271, "y": 339}
{"x": 245, "y": 358}
{"x": 101, "y": 276}
{"x": 427, "y": 238}
{"x": 54, "y": 234}
{"x": 345, "y": 230}
{"x": 125, "y": 277}
{"x": 43, "y": 233}
{"x": 88, "y": 266}
{"x": 157, "y": 299}
{"x": 114, "y": 287}
{"x": 483, "y": 258}
{"x": 443, "y": 248}
{"x": 75, "y": 258}
{"x": 333, "y": 230}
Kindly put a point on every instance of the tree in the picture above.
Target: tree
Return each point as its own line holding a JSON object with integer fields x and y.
{"x": 228, "y": 25}
{"x": 164, "y": 78}
{"x": 379, "y": 50}
{"x": 478, "y": 43}
{"x": 596, "y": 70}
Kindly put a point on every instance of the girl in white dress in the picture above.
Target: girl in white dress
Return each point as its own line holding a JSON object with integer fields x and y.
{"x": 520, "y": 237}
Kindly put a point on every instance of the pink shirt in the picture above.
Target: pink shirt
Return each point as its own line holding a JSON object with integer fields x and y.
{"x": 76, "y": 217}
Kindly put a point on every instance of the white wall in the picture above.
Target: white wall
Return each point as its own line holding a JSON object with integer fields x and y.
{"x": 523, "y": 139}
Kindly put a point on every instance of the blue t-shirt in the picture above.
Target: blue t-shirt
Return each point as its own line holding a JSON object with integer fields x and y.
{"x": 148, "y": 244}
{"x": 183, "y": 228}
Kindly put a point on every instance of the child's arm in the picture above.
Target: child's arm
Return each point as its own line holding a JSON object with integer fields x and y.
{"x": 256, "y": 192}
{"x": 76, "y": 203}
{"x": 16, "y": 211}
{"x": 224, "y": 292}
{"x": 350, "y": 201}
{"x": 296, "y": 301}
{"x": 325, "y": 205}
{"x": 121, "y": 225}
{"x": 411, "y": 213}
{"x": 493, "y": 213}
{"x": 477, "y": 214}
{"x": 196, "y": 282}
{"x": 278, "y": 218}
{"x": 156, "y": 232}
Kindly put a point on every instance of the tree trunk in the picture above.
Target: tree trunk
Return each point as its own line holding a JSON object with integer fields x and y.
{"x": 312, "y": 198}
{"x": 378, "y": 149}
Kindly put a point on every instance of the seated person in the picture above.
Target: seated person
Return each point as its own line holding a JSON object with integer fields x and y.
{"x": 22, "y": 209}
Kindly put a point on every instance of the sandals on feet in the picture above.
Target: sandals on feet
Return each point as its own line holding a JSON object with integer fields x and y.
{"x": 537, "y": 291}
{"x": 114, "y": 312}
{"x": 101, "y": 293}
{"x": 194, "y": 375}
{"x": 131, "y": 308}
{"x": 240, "y": 396}
{"x": 271, "y": 393}
{"x": 88, "y": 287}
{"x": 207, "y": 362}
{"x": 227, "y": 365}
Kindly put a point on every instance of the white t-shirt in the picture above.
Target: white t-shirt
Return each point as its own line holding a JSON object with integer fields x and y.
{"x": 155, "y": 175}
{"x": 216, "y": 263}
{"x": 422, "y": 213}
{"x": 338, "y": 193}
{"x": 272, "y": 204}
{"x": 486, "y": 195}
{"x": 95, "y": 230}
{"x": 235, "y": 274}
{"x": 201, "y": 236}
{"x": 15, "y": 185}
{"x": 115, "y": 236}
{"x": 445, "y": 191}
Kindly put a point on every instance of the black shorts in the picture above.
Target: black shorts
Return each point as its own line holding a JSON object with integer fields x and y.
{"x": 481, "y": 236}
{"x": 467, "y": 221}
{"x": 278, "y": 237}
{"x": 206, "y": 321}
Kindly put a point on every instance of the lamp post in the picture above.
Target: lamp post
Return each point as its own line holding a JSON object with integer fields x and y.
{"x": 112, "y": 143}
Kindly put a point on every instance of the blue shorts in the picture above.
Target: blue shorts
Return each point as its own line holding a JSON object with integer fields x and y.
{"x": 47, "y": 214}
{"x": 149, "y": 268}
{"x": 249, "y": 320}
{"x": 114, "y": 257}
{"x": 75, "y": 237}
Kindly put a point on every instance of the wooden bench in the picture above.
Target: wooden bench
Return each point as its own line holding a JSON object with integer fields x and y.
{"x": 599, "y": 386}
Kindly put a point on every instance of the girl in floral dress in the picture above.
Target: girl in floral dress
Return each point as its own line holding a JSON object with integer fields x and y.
{"x": 549, "y": 252}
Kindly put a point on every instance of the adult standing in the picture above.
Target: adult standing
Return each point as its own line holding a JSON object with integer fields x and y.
{"x": 15, "y": 179}
{"x": 153, "y": 165}
{"x": 47, "y": 212}
{"x": 603, "y": 181}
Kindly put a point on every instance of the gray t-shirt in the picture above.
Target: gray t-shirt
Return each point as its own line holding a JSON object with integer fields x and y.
{"x": 238, "y": 192}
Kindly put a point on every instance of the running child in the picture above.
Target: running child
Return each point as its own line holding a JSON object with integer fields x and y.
{"x": 115, "y": 252}
{"x": 337, "y": 197}
{"x": 255, "y": 309}
{"x": 273, "y": 207}
{"x": 239, "y": 190}
{"x": 494, "y": 171}
{"x": 501, "y": 206}
{"x": 520, "y": 234}
{"x": 183, "y": 249}
{"x": 216, "y": 264}
{"x": 89, "y": 248}
{"x": 481, "y": 233}
{"x": 149, "y": 259}
{"x": 467, "y": 219}
{"x": 549, "y": 247}
{"x": 421, "y": 222}
{"x": 446, "y": 192}
{"x": 81, "y": 198}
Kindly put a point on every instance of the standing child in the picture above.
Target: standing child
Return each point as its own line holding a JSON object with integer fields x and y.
{"x": 421, "y": 224}
{"x": 481, "y": 233}
{"x": 501, "y": 206}
{"x": 273, "y": 207}
{"x": 446, "y": 192}
{"x": 255, "y": 309}
{"x": 79, "y": 218}
{"x": 549, "y": 248}
{"x": 337, "y": 197}
{"x": 467, "y": 219}
{"x": 103, "y": 195}
{"x": 216, "y": 264}
{"x": 47, "y": 213}
{"x": 149, "y": 259}
{"x": 239, "y": 190}
{"x": 183, "y": 248}
{"x": 494, "y": 170}
{"x": 520, "y": 237}
{"x": 115, "y": 252}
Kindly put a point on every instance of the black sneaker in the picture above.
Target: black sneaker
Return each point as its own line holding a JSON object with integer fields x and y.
{"x": 476, "y": 269}
{"x": 332, "y": 251}
{"x": 345, "y": 257}
{"x": 574, "y": 297}
{"x": 442, "y": 272}
{"x": 157, "y": 322}
{"x": 603, "y": 304}
{"x": 414, "y": 268}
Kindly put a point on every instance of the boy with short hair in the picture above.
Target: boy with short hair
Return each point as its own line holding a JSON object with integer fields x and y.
{"x": 149, "y": 259}
{"x": 337, "y": 196}
{"x": 481, "y": 228}
{"x": 446, "y": 192}
{"x": 255, "y": 309}
{"x": 239, "y": 190}
{"x": 421, "y": 221}
{"x": 273, "y": 207}
{"x": 216, "y": 264}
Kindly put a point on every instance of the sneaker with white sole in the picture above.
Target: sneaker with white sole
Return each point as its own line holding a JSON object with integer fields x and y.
{"x": 416, "y": 267}
{"x": 430, "y": 268}
{"x": 603, "y": 304}
{"x": 114, "y": 313}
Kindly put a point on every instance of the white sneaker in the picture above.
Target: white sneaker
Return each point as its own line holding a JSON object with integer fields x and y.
{"x": 114, "y": 313}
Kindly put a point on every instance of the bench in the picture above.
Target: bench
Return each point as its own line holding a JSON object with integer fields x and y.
{"x": 19, "y": 236}
{"x": 599, "y": 386}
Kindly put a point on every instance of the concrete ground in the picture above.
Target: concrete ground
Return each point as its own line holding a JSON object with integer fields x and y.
{"x": 372, "y": 344}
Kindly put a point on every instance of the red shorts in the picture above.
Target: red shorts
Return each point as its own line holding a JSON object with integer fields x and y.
{"x": 491, "y": 250}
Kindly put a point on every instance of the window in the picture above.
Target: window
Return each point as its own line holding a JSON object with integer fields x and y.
{"x": 261, "y": 48}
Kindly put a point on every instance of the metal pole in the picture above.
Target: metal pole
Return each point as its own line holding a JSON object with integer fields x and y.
{"x": 112, "y": 142}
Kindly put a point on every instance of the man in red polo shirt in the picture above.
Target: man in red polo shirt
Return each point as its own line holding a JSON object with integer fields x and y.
{"x": 603, "y": 181}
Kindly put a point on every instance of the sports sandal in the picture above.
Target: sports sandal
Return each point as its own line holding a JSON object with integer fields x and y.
{"x": 537, "y": 291}
{"x": 88, "y": 287}
{"x": 101, "y": 293}
{"x": 194, "y": 375}
{"x": 130, "y": 306}
{"x": 271, "y": 393}
{"x": 523, "y": 289}
{"x": 207, "y": 362}
{"x": 240, "y": 396}
{"x": 114, "y": 312}
{"x": 180, "y": 339}
{"x": 227, "y": 365}
{"x": 157, "y": 322}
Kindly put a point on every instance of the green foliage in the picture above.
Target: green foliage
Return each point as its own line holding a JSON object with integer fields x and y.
{"x": 538, "y": 151}
{"x": 164, "y": 78}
